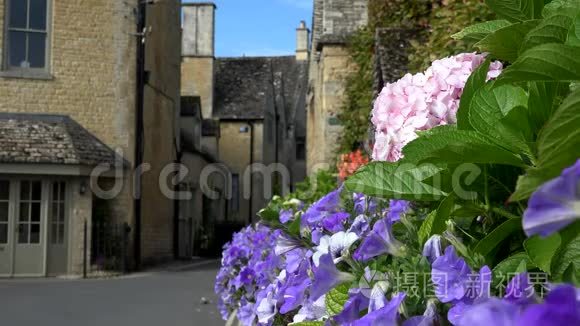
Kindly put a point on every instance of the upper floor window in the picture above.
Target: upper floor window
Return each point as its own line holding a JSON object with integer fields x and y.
{"x": 27, "y": 35}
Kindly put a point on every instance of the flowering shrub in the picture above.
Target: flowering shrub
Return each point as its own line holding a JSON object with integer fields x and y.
{"x": 349, "y": 163}
{"x": 421, "y": 102}
{"x": 474, "y": 220}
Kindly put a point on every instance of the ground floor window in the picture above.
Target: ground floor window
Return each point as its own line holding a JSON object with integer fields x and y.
{"x": 30, "y": 211}
{"x": 4, "y": 210}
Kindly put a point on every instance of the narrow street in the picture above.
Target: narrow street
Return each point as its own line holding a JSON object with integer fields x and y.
{"x": 164, "y": 298}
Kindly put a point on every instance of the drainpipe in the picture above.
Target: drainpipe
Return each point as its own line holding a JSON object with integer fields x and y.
{"x": 251, "y": 204}
{"x": 139, "y": 137}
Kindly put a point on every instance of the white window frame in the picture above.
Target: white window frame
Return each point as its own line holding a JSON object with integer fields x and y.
{"x": 20, "y": 72}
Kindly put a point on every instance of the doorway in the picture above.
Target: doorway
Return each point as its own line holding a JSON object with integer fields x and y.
{"x": 26, "y": 206}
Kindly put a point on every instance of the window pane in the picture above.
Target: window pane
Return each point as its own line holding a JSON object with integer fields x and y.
{"x": 36, "y": 49}
{"x": 62, "y": 213}
{"x": 25, "y": 190}
{"x": 54, "y": 213}
{"x": 23, "y": 233}
{"x": 34, "y": 233}
{"x": 61, "y": 233}
{"x": 35, "y": 214}
{"x": 17, "y": 49}
{"x": 3, "y": 233}
{"x": 54, "y": 233}
{"x": 4, "y": 190}
{"x": 18, "y": 13}
{"x": 36, "y": 190}
{"x": 23, "y": 212}
{"x": 62, "y": 188}
{"x": 3, "y": 212}
{"x": 37, "y": 14}
{"x": 55, "y": 191}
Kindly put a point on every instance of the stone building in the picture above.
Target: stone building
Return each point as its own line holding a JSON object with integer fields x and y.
{"x": 73, "y": 96}
{"x": 333, "y": 22}
{"x": 253, "y": 116}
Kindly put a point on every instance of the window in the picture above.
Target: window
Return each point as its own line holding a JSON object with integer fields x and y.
{"x": 235, "y": 201}
{"x": 4, "y": 206}
{"x": 27, "y": 35}
{"x": 300, "y": 150}
{"x": 57, "y": 213}
{"x": 29, "y": 214}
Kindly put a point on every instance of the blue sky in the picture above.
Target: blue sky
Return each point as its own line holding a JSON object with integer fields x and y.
{"x": 259, "y": 27}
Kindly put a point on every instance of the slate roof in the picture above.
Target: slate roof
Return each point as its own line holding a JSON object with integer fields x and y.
{"x": 50, "y": 139}
{"x": 244, "y": 85}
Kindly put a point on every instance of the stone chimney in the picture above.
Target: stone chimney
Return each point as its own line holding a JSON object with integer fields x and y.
{"x": 198, "y": 54}
{"x": 302, "y": 50}
{"x": 198, "y": 29}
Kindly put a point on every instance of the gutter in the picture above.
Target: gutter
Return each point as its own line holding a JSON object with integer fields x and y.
{"x": 251, "y": 201}
{"x": 139, "y": 133}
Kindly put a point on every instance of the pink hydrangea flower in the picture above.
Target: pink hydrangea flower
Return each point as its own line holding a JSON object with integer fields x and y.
{"x": 422, "y": 101}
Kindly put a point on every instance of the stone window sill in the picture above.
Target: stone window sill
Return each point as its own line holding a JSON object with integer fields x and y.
{"x": 26, "y": 74}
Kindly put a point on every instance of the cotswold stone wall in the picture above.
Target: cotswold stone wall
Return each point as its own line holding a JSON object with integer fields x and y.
{"x": 92, "y": 79}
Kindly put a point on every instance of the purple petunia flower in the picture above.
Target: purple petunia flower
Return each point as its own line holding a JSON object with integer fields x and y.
{"x": 561, "y": 307}
{"x": 519, "y": 290}
{"x": 364, "y": 204}
{"x": 286, "y": 215}
{"x": 397, "y": 208}
{"x": 555, "y": 204}
{"x": 334, "y": 245}
{"x": 335, "y": 222}
{"x": 386, "y": 316}
{"x": 432, "y": 248}
{"x": 492, "y": 311}
{"x": 356, "y": 303}
{"x": 326, "y": 277}
{"x": 429, "y": 317}
{"x": 322, "y": 208}
{"x": 379, "y": 241}
{"x": 360, "y": 226}
{"x": 450, "y": 275}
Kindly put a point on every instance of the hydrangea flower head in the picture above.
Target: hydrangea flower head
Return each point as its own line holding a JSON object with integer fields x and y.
{"x": 420, "y": 102}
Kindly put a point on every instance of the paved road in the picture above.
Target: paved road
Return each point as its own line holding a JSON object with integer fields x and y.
{"x": 169, "y": 298}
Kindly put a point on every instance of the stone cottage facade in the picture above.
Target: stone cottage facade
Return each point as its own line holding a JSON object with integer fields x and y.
{"x": 253, "y": 112}
{"x": 70, "y": 88}
{"x": 333, "y": 22}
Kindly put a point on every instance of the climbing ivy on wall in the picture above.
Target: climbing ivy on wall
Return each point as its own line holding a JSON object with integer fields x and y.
{"x": 447, "y": 18}
{"x": 438, "y": 19}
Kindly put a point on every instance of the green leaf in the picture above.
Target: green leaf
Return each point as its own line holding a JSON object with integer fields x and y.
{"x": 270, "y": 215}
{"x": 546, "y": 62}
{"x": 556, "y": 6}
{"x": 336, "y": 298}
{"x": 553, "y": 29}
{"x": 569, "y": 253}
{"x": 574, "y": 32}
{"x": 516, "y": 10}
{"x": 446, "y": 144}
{"x": 558, "y": 147}
{"x": 499, "y": 234}
{"x": 294, "y": 227}
{"x": 488, "y": 110}
{"x": 541, "y": 250}
{"x": 438, "y": 224}
{"x": 400, "y": 180}
{"x": 570, "y": 274}
{"x": 477, "y": 32}
{"x": 475, "y": 81}
{"x": 543, "y": 98}
{"x": 425, "y": 230}
{"x": 506, "y": 42}
{"x": 510, "y": 265}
